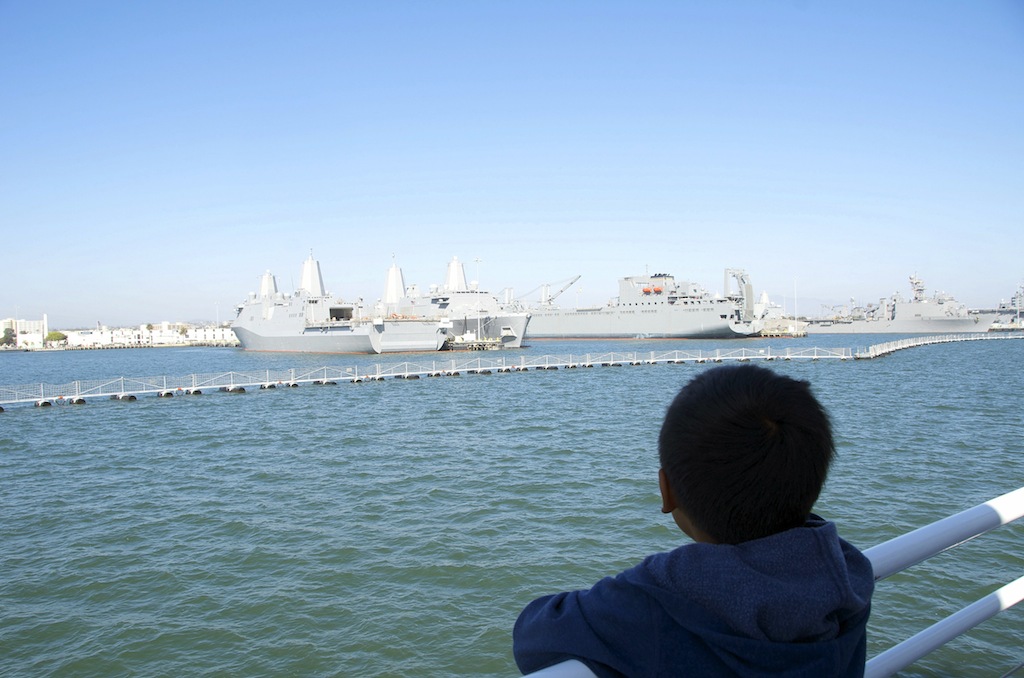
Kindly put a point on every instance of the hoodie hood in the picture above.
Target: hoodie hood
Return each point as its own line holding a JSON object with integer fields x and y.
{"x": 793, "y": 603}
{"x": 755, "y": 589}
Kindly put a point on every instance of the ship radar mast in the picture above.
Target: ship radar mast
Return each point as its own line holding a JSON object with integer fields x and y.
{"x": 918, "y": 287}
{"x": 312, "y": 281}
{"x": 394, "y": 284}
{"x": 268, "y": 285}
{"x": 455, "y": 280}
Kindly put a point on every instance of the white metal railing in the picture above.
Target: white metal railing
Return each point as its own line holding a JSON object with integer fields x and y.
{"x": 460, "y": 363}
{"x": 879, "y": 350}
{"x": 909, "y": 549}
{"x": 900, "y": 553}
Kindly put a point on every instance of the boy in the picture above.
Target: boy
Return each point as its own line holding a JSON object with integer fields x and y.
{"x": 768, "y": 588}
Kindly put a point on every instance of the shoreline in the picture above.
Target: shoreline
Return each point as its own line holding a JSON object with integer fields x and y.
{"x": 204, "y": 344}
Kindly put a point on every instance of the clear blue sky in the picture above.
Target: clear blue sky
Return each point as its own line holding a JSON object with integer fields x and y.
{"x": 157, "y": 157}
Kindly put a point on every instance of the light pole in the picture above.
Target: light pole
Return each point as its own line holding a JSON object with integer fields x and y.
{"x": 479, "y": 308}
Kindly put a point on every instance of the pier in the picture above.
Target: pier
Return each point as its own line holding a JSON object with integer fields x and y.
{"x": 130, "y": 388}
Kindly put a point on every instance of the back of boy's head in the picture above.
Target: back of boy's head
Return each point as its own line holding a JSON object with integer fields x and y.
{"x": 746, "y": 452}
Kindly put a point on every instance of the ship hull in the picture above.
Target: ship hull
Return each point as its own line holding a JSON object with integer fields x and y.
{"x": 509, "y": 328}
{"x": 402, "y": 336}
{"x": 358, "y": 340}
{"x": 655, "y": 307}
{"x": 466, "y": 313}
{"x": 664, "y": 322}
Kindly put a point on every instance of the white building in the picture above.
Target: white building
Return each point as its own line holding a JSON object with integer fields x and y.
{"x": 31, "y": 334}
{"x": 27, "y": 333}
{"x": 162, "y": 334}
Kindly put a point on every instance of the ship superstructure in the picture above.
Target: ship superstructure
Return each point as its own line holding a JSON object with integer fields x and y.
{"x": 471, "y": 315}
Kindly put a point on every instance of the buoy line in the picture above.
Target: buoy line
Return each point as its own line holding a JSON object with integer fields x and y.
{"x": 128, "y": 389}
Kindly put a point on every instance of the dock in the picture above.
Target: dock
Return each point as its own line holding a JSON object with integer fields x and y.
{"x": 130, "y": 388}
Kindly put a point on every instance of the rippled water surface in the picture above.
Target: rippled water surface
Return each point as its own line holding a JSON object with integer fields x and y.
{"x": 398, "y": 527}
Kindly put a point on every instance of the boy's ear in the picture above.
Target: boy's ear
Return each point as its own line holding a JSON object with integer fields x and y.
{"x": 668, "y": 502}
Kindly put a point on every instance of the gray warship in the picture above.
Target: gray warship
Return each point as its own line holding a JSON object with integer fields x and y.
{"x": 310, "y": 320}
{"x": 1009, "y": 317}
{"x": 921, "y": 314}
{"x": 656, "y": 307}
{"x": 472, "y": 316}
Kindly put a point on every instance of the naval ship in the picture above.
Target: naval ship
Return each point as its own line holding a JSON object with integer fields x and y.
{"x": 940, "y": 313}
{"x": 655, "y": 307}
{"x": 473, "y": 317}
{"x": 310, "y": 320}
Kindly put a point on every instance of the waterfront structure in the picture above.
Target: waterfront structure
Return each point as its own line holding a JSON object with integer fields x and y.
{"x": 31, "y": 335}
{"x": 160, "y": 334}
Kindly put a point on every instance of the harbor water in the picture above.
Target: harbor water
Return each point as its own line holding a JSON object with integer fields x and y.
{"x": 397, "y": 528}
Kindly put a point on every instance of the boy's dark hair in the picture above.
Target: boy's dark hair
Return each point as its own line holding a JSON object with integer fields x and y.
{"x": 746, "y": 451}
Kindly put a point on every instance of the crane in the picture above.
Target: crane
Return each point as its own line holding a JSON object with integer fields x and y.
{"x": 546, "y": 297}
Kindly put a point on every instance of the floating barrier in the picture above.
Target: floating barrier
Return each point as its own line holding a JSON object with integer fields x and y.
{"x": 128, "y": 388}
{"x": 879, "y": 350}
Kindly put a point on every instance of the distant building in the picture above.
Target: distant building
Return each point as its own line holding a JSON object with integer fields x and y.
{"x": 162, "y": 334}
{"x": 31, "y": 334}
{"x": 27, "y": 333}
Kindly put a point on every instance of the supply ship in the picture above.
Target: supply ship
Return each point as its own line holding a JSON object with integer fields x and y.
{"x": 940, "y": 313}
{"x": 310, "y": 320}
{"x": 656, "y": 306}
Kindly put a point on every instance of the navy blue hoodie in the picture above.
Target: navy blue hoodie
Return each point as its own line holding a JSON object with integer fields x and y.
{"x": 794, "y": 603}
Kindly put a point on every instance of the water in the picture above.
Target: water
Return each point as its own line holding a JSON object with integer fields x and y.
{"x": 397, "y": 528}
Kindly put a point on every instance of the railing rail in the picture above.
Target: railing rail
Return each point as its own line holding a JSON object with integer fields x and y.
{"x": 935, "y": 636}
{"x": 909, "y": 549}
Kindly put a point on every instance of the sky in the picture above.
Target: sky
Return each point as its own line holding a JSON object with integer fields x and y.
{"x": 156, "y": 158}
